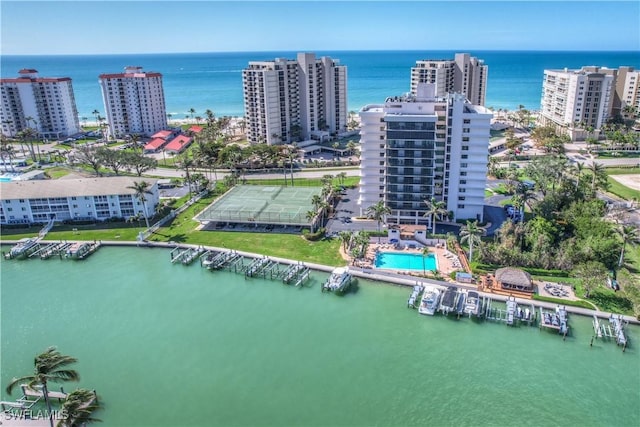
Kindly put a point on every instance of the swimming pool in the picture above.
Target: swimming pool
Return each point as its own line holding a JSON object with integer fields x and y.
{"x": 402, "y": 261}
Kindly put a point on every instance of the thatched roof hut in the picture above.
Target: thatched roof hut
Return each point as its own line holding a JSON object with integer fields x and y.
{"x": 514, "y": 279}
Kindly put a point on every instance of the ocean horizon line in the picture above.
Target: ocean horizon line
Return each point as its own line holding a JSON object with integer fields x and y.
{"x": 470, "y": 51}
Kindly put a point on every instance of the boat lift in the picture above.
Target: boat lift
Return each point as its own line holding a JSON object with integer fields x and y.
{"x": 613, "y": 329}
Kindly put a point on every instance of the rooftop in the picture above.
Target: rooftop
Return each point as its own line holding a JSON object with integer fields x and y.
{"x": 103, "y": 186}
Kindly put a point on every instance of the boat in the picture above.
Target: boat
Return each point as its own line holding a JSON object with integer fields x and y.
{"x": 472, "y": 304}
{"x": 22, "y": 247}
{"x": 339, "y": 280}
{"x": 430, "y": 299}
{"x": 460, "y": 303}
{"x": 79, "y": 250}
{"x": 208, "y": 260}
{"x": 449, "y": 299}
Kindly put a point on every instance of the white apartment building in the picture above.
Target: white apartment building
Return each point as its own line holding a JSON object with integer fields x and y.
{"x": 415, "y": 147}
{"x": 627, "y": 92}
{"x": 133, "y": 102}
{"x": 288, "y": 100}
{"x": 577, "y": 101}
{"x": 464, "y": 74}
{"x": 45, "y": 104}
{"x": 26, "y": 202}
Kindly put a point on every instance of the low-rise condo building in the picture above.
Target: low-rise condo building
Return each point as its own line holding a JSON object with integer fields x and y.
{"x": 98, "y": 199}
{"x": 464, "y": 74}
{"x": 134, "y": 102}
{"x": 418, "y": 147}
{"x": 289, "y": 100}
{"x": 45, "y": 104}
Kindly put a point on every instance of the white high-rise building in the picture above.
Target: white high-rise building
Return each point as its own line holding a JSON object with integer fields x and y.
{"x": 287, "y": 100}
{"x": 133, "y": 102}
{"x": 464, "y": 74}
{"x": 627, "y": 90}
{"x": 577, "y": 102}
{"x": 45, "y": 104}
{"x": 423, "y": 146}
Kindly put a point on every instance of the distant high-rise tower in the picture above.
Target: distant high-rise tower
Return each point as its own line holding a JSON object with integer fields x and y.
{"x": 287, "y": 100}
{"x": 134, "y": 102}
{"x": 576, "y": 100}
{"x": 45, "y": 104}
{"x": 418, "y": 147}
{"x": 464, "y": 74}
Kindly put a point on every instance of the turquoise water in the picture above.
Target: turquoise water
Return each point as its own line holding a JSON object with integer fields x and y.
{"x": 214, "y": 80}
{"x": 401, "y": 261}
{"x": 168, "y": 345}
{"x": 5, "y": 179}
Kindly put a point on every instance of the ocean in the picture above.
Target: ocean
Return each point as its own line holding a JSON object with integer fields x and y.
{"x": 169, "y": 345}
{"x": 214, "y": 80}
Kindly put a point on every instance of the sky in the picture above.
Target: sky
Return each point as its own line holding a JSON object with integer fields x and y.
{"x": 104, "y": 27}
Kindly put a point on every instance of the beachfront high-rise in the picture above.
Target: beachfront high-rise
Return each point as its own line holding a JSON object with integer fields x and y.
{"x": 288, "y": 100}
{"x": 133, "y": 102}
{"x": 45, "y": 104}
{"x": 423, "y": 146}
{"x": 627, "y": 92}
{"x": 464, "y": 74}
{"x": 577, "y": 102}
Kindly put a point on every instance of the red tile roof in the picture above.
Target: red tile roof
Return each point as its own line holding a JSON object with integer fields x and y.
{"x": 178, "y": 143}
{"x": 195, "y": 129}
{"x": 162, "y": 134}
{"x": 154, "y": 144}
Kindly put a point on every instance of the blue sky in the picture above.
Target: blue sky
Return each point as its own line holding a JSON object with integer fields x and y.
{"x": 84, "y": 27}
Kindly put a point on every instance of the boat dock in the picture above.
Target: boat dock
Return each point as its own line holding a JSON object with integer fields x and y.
{"x": 415, "y": 296}
{"x": 557, "y": 320}
{"x": 264, "y": 267}
{"x": 614, "y": 328}
{"x": 185, "y": 255}
{"x": 34, "y": 248}
{"x": 511, "y": 314}
{"x": 296, "y": 274}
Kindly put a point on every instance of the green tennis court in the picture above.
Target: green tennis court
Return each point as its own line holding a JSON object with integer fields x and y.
{"x": 257, "y": 204}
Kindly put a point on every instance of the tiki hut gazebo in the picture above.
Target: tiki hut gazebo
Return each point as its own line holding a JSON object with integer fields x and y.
{"x": 514, "y": 279}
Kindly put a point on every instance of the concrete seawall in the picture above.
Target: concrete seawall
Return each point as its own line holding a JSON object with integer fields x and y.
{"x": 369, "y": 274}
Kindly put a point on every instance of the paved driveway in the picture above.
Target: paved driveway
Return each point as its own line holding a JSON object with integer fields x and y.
{"x": 346, "y": 210}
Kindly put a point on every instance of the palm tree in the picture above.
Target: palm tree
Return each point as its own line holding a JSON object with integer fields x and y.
{"x": 378, "y": 212}
{"x": 628, "y": 234}
{"x": 78, "y": 408}
{"x": 598, "y": 177}
{"x": 192, "y": 111}
{"x": 141, "y": 189}
{"x": 470, "y": 233}
{"x": 524, "y": 195}
{"x": 311, "y": 217}
{"x": 186, "y": 163}
{"x": 425, "y": 253}
{"x": 345, "y": 237}
{"x": 342, "y": 176}
{"x": 50, "y": 366}
{"x": 435, "y": 209}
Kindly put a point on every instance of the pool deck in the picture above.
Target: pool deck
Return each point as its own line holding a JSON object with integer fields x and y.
{"x": 446, "y": 261}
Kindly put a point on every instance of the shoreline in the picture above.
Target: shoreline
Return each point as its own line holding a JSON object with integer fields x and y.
{"x": 364, "y": 273}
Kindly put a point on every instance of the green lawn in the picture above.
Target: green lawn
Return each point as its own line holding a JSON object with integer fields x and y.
{"x": 57, "y": 172}
{"x": 622, "y": 190}
{"x": 622, "y": 171}
{"x": 183, "y": 230}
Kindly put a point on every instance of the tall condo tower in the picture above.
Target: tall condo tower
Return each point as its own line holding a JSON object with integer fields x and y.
{"x": 418, "y": 147}
{"x": 288, "y": 100}
{"x": 576, "y": 100}
{"x": 133, "y": 102}
{"x": 464, "y": 74}
{"x": 45, "y": 104}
